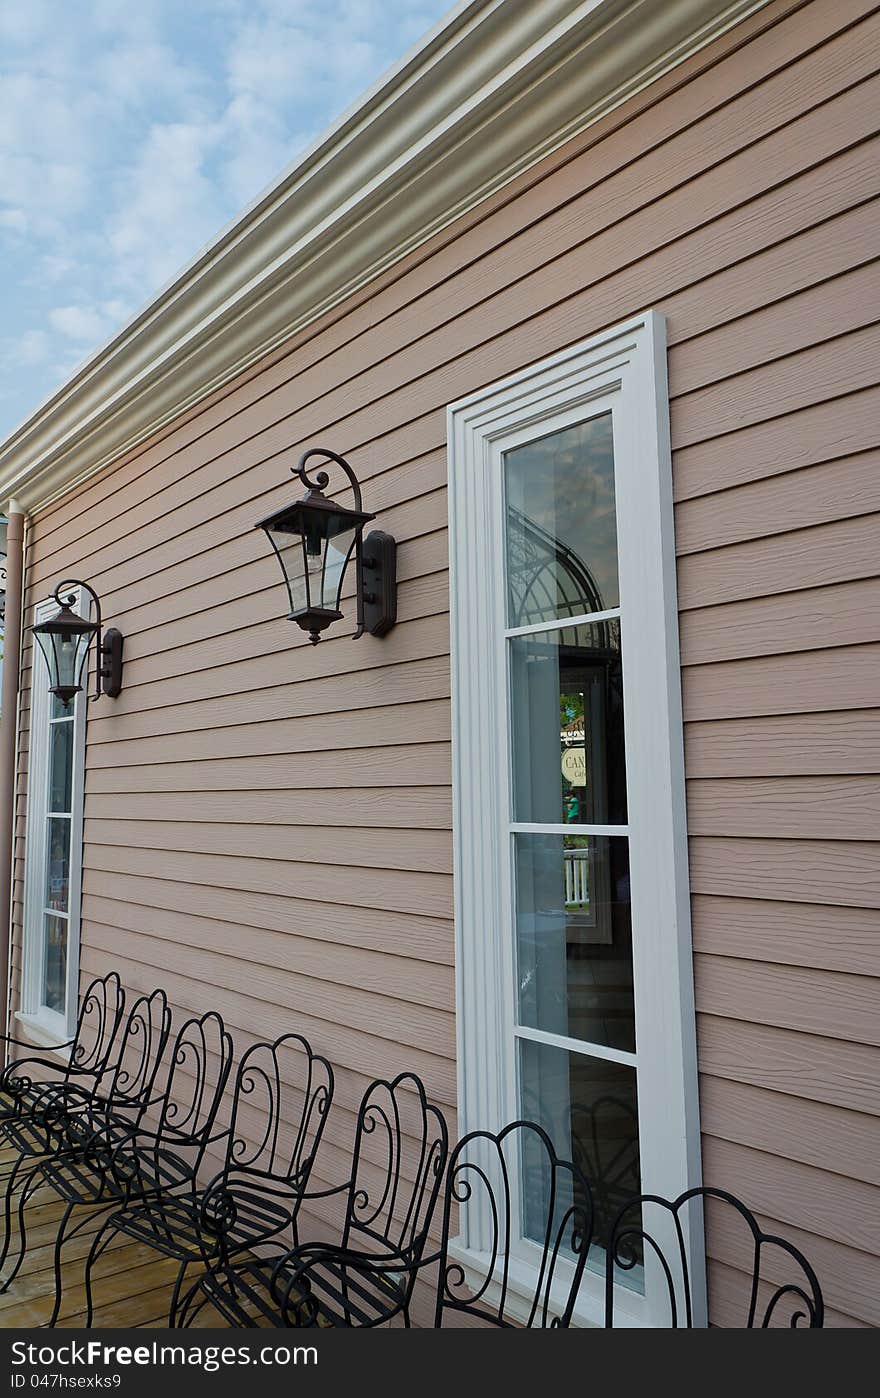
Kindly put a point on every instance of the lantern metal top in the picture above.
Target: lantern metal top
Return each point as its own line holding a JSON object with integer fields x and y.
{"x": 290, "y": 518}
{"x": 66, "y": 622}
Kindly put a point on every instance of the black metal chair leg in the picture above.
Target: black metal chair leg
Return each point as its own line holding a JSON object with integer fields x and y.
{"x": 175, "y": 1295}
{"x": 59, "y": 1281}
{"x": 7, "y": 1209}
{"x": 100, "y": 1242}
{"x": 29, "y": 1188}
{"x": 180, "y": 1318}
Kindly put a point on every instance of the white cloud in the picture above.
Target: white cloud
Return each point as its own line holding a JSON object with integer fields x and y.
{"x": 56, "y": 267}
{"x": 77, "y": 323}
{"x": 167, "y": 206}
{"x": 88, "y": 324}
{"x": 14, "y": 219}
{"x": 33, "y": 347}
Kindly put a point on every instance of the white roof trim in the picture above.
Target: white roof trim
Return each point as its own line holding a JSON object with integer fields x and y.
{"x": 496, "y": 86}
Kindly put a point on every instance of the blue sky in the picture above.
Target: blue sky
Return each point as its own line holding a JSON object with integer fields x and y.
{"x": 132, "y": 130}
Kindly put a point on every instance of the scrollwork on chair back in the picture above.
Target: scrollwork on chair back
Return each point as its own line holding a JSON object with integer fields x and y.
{"x": 100, "y": 1015}
{"x": 282, "y": 1094}
{"x": 523, "y": 1205}
{"x": 199, "y": 1066}
{"x": 779, "y": 1286}
{"x": 144, "y": 1040}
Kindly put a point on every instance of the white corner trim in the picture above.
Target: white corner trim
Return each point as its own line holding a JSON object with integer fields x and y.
{"x": 493, "y": 88}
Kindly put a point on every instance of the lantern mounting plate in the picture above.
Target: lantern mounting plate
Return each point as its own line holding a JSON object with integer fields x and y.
{"x": 379, "y": 582}
{"x": 110, "y": 664}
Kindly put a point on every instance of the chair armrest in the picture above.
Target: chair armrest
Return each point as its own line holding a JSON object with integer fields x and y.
{"x": 29, "y": 1043}
{"x": 326, "y": 1193}
{"x": 14, "y": 1069}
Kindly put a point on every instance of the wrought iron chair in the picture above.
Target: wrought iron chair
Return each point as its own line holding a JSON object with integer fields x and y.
{"x": 783, "y": 1289}
{"x": 77, "y": 1164}
{"x": 367, "y": 1279}
{"x": 96, "y": 1099}
{"x": 256, "y": 1196}
{"x": 24, "y": 1088}
{"x": 549, "y": 1230}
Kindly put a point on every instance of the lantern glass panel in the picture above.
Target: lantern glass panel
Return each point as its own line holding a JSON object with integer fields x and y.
{"x": 314, "y": 561}
{"x": 337, "y": 553}
{"x": 291, "y": 555}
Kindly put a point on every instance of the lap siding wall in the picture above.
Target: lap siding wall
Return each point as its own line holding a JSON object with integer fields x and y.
{"x": 268, "y": 824}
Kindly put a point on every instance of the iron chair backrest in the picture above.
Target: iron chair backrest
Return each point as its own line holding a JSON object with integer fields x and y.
{"x": 530, "y": 1225}
{"x": 286, "y": 1090}
{"x": 782, "y": 1287}
{"x": 198, "y": 1070}
{"x": 400, "y": 1148}
{"x": 280, "y": 1102}
{"x": 145, "y": 1035}
{"x": 97, "y": 1028}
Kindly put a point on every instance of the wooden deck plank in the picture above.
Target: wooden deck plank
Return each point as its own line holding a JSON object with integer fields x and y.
{"x": 131, "y": 1282}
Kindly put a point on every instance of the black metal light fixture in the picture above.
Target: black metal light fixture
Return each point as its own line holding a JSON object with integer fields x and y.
{"x": 315, "y": 538}
{"x": 65, "y": 639}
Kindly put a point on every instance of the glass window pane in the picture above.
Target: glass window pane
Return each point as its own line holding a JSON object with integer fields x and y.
{"x": 60, "y": 765}
{"x": 574, "y": 937}
{"x": 55, "y": 963}
{"x": 561, "y": 525}
{"x": 589, "y": 1109}
{"x": 58, "y": 863}
{"x": 57, "y": 709}
{"x": 567, "y": 736}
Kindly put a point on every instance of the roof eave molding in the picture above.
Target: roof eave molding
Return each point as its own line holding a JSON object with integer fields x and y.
{"x": 492, "y": 90}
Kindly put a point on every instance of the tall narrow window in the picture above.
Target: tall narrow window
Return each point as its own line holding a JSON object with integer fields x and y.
{"x": 53, "y": 854}
{"x": 573, "y": 967}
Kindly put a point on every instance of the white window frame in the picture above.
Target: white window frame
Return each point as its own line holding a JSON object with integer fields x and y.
{"x": 622, "y": 370}
{"x": 40, "y": 1022}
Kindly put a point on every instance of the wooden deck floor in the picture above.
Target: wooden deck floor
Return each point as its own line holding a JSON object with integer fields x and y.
{"x": 131, "y": 1283}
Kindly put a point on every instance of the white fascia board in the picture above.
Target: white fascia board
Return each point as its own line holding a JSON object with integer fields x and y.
{"x": 490, "y": 91}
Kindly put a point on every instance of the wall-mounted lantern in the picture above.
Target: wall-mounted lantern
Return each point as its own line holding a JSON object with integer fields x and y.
{"x": 314, "y": 539}
{"x": 65, "y": 639}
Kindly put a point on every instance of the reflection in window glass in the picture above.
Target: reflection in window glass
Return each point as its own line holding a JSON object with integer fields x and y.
{"x": 55, "y": 963}
{"x": 574, "y": 937}
{"x": 60, "y": 765}
{"x": 561, "y": 525}
{"x": 58, "y": 864}
{"x": 567, "y": 712}
{"x": 59, "y": 831}
{"x": 589, "y": 1109}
